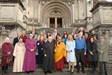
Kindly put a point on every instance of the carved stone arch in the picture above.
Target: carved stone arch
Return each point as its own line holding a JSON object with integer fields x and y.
{"x": 60, "y": 7}
{"x": 56, "y": 1}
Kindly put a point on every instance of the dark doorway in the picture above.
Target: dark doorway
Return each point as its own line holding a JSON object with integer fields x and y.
{"x": 52, "y": 22}
{"x": 59, "y": 22}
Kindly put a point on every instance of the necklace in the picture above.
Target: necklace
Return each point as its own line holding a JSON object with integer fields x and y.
{"x": 20, "y": 44}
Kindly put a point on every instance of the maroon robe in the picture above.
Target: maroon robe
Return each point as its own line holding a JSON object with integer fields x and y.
{"x": 60, "y": 64}
{"x": 30, "y": 59}
{"x": 6, "y": 47}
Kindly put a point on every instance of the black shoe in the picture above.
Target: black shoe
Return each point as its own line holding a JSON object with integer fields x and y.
{"x": 49, "y": 71}
{"x": 83, "y": 71}
{"x": 78, "y": 71}
{"x": 72, "y": 72}
{"x": 6, "y": 72}
{"x": 31, "y": 71}
{"x": 45, "y": 72}
{"x": 106, "y": 74}
{"x": 28, "y": 72}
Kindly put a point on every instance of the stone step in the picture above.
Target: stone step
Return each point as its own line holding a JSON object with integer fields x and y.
{"x": 65, "y": 69}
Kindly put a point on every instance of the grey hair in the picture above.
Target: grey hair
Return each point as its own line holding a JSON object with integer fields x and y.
{"x": 7, "y": 38}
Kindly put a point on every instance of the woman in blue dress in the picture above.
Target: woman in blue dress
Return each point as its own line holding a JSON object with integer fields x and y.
{"x": 71, "y": 59}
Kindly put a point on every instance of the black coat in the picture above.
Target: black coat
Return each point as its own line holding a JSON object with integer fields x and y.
{"x": 15, "y": 41}
{"x": 48, "y": 61}
{"x": 40, "y": 52}
{"x": 92, "y": 47}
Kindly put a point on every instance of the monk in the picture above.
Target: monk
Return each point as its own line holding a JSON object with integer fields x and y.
{"x": 60, "y": 54}
{"x": 48, "y": 60}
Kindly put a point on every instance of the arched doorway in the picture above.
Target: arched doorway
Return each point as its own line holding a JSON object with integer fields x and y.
{"x": 55, "y": 15}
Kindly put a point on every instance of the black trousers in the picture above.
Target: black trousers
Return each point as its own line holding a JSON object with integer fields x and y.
{"x": 101, "y": 65}
{"x": 4, "y": 68}
{"x": 94, "y": 64}
{"x": 80, "y": 58}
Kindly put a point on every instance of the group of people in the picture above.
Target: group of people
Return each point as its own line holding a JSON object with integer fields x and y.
{"x": 50, "y": 51}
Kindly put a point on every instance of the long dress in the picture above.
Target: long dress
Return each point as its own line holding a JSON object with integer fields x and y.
{"x": 19, "y": 52}
{"x": 48, "y": 61}
{"x": 30, "y": 59}
{"x": 71, "y": 55}
{"x": 60, "y": 55}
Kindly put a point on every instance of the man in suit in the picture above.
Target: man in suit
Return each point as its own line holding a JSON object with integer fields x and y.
{"x": 16, "y": 39}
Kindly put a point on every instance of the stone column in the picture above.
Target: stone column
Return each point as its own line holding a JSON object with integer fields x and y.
{"x": 81, "y": 9}
{"x": 76, "y": 13}
{"x": 39, "y": 7}
{"x": 73, "y": 12}
{"x": 55, "y": 22}
{"x": 89, "y": 5}
{"x": 48, "y": 22}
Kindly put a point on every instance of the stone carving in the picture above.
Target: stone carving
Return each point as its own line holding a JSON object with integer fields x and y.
{"x": 107, "y": 35}
{"x": 100, "y": 32}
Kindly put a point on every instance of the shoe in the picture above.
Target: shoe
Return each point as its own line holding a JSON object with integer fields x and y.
{"x": 68, "y": 70}
{"x": 49, "y": 71}
{"x": 31, "y": 71}
{"x": 78, "y": 71}
{"x": 45, "y": 72}
{"x": 72, "y": 72}
{"x": 27, "y": 72}
{"x": 6, "y": 72}
{"x": 83, "y": 71}
{"x": 106, "y": 74}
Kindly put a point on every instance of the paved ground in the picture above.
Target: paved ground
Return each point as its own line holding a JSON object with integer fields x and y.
{"x": 40, "y": 72}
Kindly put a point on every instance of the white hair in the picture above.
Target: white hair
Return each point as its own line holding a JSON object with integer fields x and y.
{"x": 7, "y": 38}
{"x": 81, "y": 28}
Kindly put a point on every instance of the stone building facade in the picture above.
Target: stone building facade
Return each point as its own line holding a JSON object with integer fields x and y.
{"x": 19, "y": 15}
